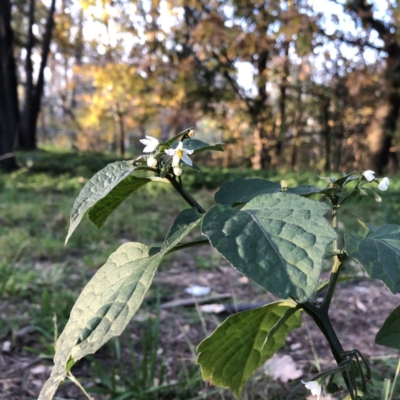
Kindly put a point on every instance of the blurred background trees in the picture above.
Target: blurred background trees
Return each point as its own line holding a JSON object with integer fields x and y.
{"x": 285, "y": 84}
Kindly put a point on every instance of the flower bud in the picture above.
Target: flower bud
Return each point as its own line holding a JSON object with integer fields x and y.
{"x": 177, "y": 171}
{"x": 152, "y": 162}
{"x": 384, "y": 184}
{"x": 191, "y": 133}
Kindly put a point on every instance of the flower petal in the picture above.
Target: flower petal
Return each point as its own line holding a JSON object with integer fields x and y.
{"x": 150, "y": 143}
{"x": 369, "y": 175}
{"x": 175, "y": 160}
{"x": 384, "y": 184}
{"x": 186, "y": 159}
{"x": 314, "y": 386}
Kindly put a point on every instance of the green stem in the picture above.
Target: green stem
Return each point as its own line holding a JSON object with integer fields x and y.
{"x": 186, "y": 196}
{"x": 323, "y": 322}
{"x": 337, "y": 263}
{"x": 359, "y": 183}
{"x": 335, "y": 226}
{"x": 394, "y": 381}
{"x": 331, "y": 286}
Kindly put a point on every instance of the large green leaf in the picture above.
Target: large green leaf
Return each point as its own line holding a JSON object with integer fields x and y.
{"x": 309, "y": 190}
{"x": 277, "y": 240}
{"x": 104, "y": 308}
{"x": 236, "y": 348}
{"x": 103, "y": 193}
{"x": 104, "y": 207}
{"x": 182, "y": 225}
{"x": 379, "y": 253}
{"x": 389, "y": 334}
{"x": 241, "y": 190}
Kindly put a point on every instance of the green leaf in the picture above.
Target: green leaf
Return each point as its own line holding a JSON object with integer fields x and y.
{"x": 281, "y": 321}
{"x": 182, "y": 225}
{"x": 277, "y": 240}
{"x": 235, "y": 349}
{"x": 379, "y": 253}
{"x": 241, "y": 191}
{"x": 309, "y": 190}
{"x": 347, "y": 178}
{"x": 104, "y": 308}
{"x": 174, "y": 139}
{"x": 339, "y": 182}
{"x": 104, "y": 207}
{"x": 389, "y": 334}
{"x": 93, "y": 199}
{"x": 198, "y": 146}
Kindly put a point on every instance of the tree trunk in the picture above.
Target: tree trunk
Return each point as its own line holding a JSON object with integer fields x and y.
{"x": 33, "y": 94}
{"x": 259, "y": 111}
{"x": 383, "y": 126}
{"x": 380, "y": 133}
{"x": 121, "y": 146}
{"x": 259, "y": 160}
{"x": 296, "y": 130}
{"x": 9, "y": 112}
{"x": 326, "y": 132}
{"x": 26, "y": 140}
{"x": 282, "y": 109}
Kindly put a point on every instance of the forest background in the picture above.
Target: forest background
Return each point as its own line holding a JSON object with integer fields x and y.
{"x": 284, "y": 84}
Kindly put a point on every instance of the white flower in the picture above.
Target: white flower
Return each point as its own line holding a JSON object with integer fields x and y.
{"x": 384, "y": 184}
{"x": 177, "y": 171}
{"x": 150, "y": 143}
{"x": 369, "y": 175}
{"x": 152, "y": 162}
{"x": 314, "y": 386}
{"x": 180, "y": 154}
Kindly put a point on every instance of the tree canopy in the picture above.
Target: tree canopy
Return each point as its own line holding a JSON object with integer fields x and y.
{"x": 288, "y": 84}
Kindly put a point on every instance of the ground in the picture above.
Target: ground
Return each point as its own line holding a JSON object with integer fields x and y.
{"x": 40, "y": 278}
{"x": 359, "y": 307}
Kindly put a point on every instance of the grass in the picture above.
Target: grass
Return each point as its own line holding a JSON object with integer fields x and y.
{"x": 41, "y": 278}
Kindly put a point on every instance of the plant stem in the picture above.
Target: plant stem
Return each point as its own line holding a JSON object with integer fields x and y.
{"x": 323, "y": 322}
{"x": 394, "y": 381}
{"x": 331, "y": 286}
{"x": 335, "y": 225}
{"x": 186, "y": 196}
{"x": 337, "y": 263}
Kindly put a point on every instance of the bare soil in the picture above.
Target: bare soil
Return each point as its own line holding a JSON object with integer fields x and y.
{"x": 359, "y": 308}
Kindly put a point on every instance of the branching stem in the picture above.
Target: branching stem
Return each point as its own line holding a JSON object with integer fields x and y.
{"x": 186, "y": 196}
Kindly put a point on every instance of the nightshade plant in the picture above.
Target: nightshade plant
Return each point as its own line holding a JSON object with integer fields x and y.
{"x": 277, "y": 236}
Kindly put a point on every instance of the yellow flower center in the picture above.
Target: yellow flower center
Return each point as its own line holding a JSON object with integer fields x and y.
{"x": 179, "y": 153}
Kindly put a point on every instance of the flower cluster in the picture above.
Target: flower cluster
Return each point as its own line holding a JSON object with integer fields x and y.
{"x": 383, "y": 183}
{"x": 178, "y": 154}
